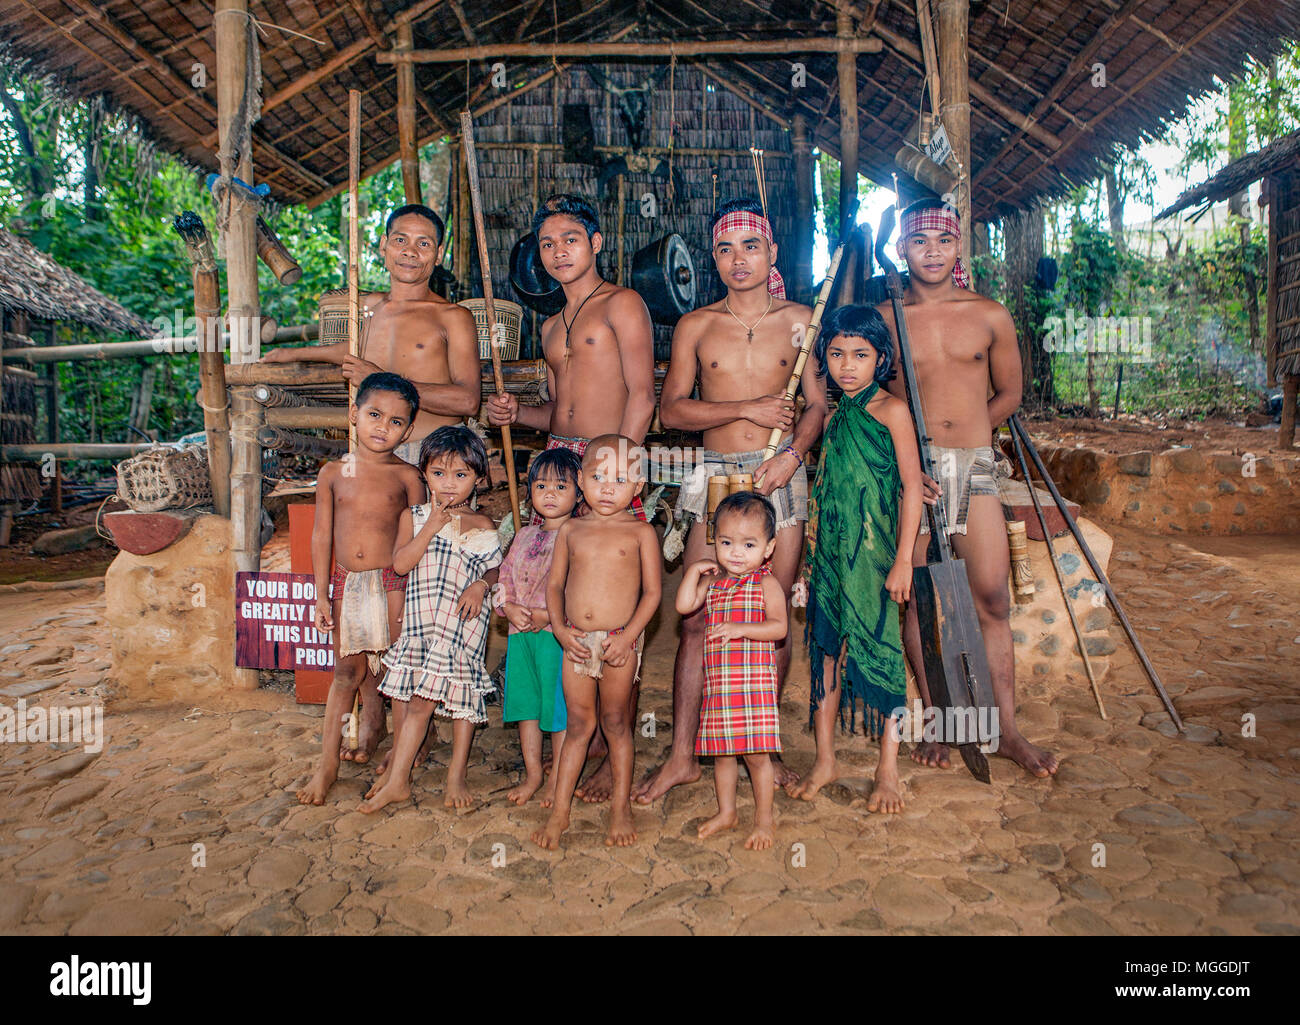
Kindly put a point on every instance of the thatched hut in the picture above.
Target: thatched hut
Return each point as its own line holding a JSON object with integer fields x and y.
{"x": 37, "y": 295}
{"x": 1278, "y": 164}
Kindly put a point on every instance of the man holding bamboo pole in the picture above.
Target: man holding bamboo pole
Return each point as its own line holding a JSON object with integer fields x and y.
{"x": 743, "y": 351}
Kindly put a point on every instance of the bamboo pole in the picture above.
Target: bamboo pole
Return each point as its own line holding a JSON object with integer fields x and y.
{"x": 354, "y": 288}
{"x": 308, "y": 417}
{"x": 136, "y": 348}
{"x": 406, "y": 146}
{"x": 803, "y": 221}
{"x": 681, "y": 48}
{"x": 480, "y": 230}
{"x": 954, "y": 108}
{"x": 34, "y": 453}
{"x": 847, "y": 76}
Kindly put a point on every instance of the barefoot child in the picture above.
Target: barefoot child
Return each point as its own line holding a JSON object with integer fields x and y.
{"x": 452, "y": 554}
{"x": 358, "y": 503}
{"x": 603, "y": 588}
{"x": 534, "y": 693}
{"x": 859, "y": 557}
{"x": 745, "y": 617}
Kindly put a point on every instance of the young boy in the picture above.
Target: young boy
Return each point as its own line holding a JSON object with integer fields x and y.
{"x": 358, "y": 503}
{"x": 745, "y": 617}
{"x": 534, "y": 692}
{"x": 865, "y": 511}
{"x": 603, "y": 589}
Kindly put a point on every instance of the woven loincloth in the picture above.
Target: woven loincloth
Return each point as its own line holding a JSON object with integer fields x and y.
{"x": 963, "y": 472}
{"x": 363, "y": 615}
{"x": 790, "y": 502}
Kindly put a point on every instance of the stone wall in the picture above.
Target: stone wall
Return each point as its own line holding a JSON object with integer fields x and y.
{"x": 1181, "y": 490}
{"x": 171, "y": 618}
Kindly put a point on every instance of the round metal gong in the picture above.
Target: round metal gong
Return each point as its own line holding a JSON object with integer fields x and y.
{"x": 664, "y": 275}
{"x": 535, "y": 288}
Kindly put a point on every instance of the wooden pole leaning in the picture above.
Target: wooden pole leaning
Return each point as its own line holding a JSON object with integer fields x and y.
{"x": 480, "y": 232}
{"x": 810, "y": 332}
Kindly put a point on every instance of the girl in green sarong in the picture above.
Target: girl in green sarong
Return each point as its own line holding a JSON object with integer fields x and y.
{"x": 862, "y": 523}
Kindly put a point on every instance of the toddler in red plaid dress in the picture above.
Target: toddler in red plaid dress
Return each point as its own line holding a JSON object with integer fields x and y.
{"x": 745, "y": 617}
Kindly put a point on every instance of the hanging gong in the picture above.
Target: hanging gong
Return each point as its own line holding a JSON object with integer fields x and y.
{"x": 535, "y": 288}
{"x": 664, "y": 275}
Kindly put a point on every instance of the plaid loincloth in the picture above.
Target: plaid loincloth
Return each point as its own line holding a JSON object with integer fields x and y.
{"x": 579, "y": 445}
{"x": 963, "y": 472}
{"x": 739, "y": 712}
{"x": 790, "y": 502}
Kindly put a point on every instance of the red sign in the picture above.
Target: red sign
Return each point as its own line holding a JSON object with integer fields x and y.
{"x": 274, "y": 613}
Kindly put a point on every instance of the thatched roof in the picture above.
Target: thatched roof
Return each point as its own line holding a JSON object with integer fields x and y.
{"x": 1278, "y": 154}
{"x": 35, "y": 282}
{"x": 1034, "y": 57}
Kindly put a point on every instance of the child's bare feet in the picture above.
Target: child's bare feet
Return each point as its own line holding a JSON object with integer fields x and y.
{"x": 821, "y": 774}
{"x": 622, "y": 832}
{"x": 886, "y": 795}
{"x": 785, "y": 776}
{"x": 549, "y": 837}
{"x": 522, "y": 793}
{"x": 597, "y": 787}
{"x": 380, "y": 796}
{"x": 761, "y": 838}
{"x": 546, "y": 797}
{"x": 722, "y": 820}
{"x": 314, "y": 792}
{"x": 456, "y": 794}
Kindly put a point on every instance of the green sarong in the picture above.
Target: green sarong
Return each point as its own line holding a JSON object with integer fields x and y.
{"x": 852, "y": 542}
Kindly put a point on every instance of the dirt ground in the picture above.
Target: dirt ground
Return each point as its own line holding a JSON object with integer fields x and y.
{"x": 187, "y": 823}
{"x": 1136, "y": 434}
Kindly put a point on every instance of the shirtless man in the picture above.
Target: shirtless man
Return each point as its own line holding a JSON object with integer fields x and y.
{"x": 411, "y": 331}
{"x": 743, "y": 350}
{"x": 961, "y": 342}
{"x": 599, "y": 353}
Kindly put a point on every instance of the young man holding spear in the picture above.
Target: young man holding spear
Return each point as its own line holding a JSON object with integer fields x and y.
{"x": 968, "y": 375}
{"x": 743, "y": 351}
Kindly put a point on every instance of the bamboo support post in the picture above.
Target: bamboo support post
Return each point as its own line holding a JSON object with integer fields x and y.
{"x": 406, "y": 141}
{"x": 847, "y": 75}
{"x": 803, "y": 180}
{"x": 954, "y": 107}
{"x": 476, "y": 201}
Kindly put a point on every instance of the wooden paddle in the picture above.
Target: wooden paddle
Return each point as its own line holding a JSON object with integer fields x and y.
{"x": 476, "y": 203}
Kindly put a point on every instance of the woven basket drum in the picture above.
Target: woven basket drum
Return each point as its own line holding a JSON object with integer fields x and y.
{"x": 165, "y": 478}
{"x": 332, "y": 311}
{"x": 509, "y": 320}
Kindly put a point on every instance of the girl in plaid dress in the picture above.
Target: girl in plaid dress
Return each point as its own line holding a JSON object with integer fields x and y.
{"x": 745, "y": 617}
{"x": 452, "y": 554}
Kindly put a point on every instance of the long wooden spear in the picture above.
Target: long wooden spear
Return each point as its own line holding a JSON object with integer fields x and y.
{"x": 476, "y": 203}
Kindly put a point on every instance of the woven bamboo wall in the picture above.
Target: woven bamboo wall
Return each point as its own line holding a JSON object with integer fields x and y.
{"x": 1287, "y": 188}
{"x": 705, "y": 118}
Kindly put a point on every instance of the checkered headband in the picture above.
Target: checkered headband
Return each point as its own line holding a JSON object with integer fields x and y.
{"x": 934, "y": 219}
{"x": 742, "y": 220}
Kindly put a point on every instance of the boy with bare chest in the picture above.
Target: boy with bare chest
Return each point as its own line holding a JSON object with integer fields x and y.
{"x": 604, "y": 586}
{"x": 359, "y": 501}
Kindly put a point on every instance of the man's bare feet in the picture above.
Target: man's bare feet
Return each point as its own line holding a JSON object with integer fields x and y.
{"x": 821, "y": 774}
{"x": 932, "y": 754}
{"x": 760, "y": 839}
{"x": 785, "y": 776}
{"x": 719, "y": 822}
{"x": 886, "y": 795}
{"x": 672, "y": 773}
{"x": 622, "y": 831}
{"x": 597, "y": 787}
{"x": 377, "y": 797}
{"x": 314, "y": 792}
{"x": 1034, "y": 760}
{"x": 456, "y": 794}
{"x": 548, "y": 838}
{"x": 522, "y": 793}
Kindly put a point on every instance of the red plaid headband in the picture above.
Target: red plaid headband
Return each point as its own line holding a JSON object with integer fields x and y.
{"x": 934, "y": 219}
{"x": 742, "y": 220}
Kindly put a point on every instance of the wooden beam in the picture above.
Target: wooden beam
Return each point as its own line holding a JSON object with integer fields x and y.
{"x": 954, "y": 105}
{"x": 683, "y": 48}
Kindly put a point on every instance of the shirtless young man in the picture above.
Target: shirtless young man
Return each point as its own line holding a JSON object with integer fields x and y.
{"x": 412, "y": 331}
{"x": 599, "y": 353}
{"x": 743, "y": 350}
{"x": 961, "y": 342}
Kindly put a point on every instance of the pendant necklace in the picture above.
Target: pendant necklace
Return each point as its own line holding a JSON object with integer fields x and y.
{"x": 568, "y": 324}
{"x": 750, "y": 338}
